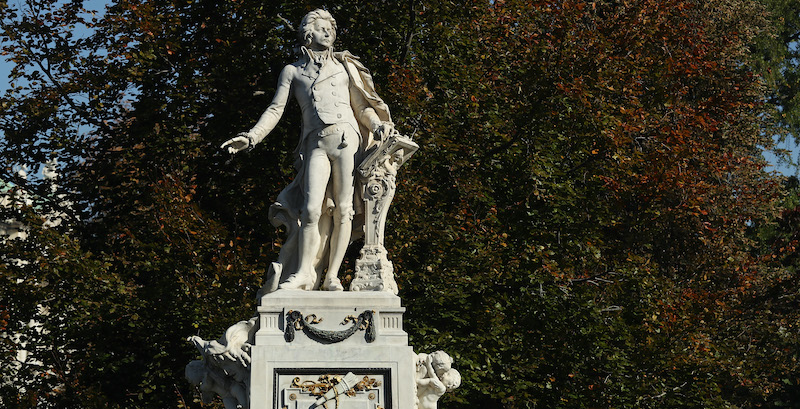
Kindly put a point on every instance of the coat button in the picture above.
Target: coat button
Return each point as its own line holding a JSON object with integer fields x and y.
{"x": 333, "y": 93}
{"x": 338, "y": 115}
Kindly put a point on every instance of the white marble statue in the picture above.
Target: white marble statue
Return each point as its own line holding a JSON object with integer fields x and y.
{"x": 435, "y": 376}
{"x": 342, "y": 116}
{"x": 210, "y": 382}
{"x": 225, "y": 367}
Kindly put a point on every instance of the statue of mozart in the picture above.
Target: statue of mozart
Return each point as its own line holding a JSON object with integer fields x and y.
{"x": 342, "y": 116}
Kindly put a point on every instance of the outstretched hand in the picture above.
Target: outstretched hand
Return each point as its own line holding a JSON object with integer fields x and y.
{"x": 238, "y": 143}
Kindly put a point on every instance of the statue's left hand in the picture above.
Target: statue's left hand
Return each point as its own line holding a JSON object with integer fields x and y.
{"x": 382, "y": 130}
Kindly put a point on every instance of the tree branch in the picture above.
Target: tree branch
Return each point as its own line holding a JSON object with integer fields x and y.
{"x": 412, "y": 18}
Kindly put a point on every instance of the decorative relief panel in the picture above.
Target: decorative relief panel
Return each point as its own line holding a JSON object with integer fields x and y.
{"x": 333, "y": 388}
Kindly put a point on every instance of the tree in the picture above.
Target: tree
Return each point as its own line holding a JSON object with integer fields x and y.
{"x": 575, "y": 229}
{"x": 769, "y": 309}
{"x": 776, "y": 59}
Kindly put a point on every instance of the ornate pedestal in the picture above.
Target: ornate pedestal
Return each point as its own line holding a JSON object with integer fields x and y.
{"x": 374, "y": 271}
{"x": 307, "y": 342}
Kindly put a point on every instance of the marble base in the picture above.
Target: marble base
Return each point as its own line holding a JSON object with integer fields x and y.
{"x": 290, "y": 368}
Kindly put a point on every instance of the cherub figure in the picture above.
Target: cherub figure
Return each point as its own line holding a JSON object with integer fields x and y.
{"x": 211, "y": 380}
{"x": 435, "y": 376}
{"x": 225, "y": 368}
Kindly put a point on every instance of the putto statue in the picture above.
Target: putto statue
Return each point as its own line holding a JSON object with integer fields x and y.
{"x": 435, "y": 376}
{"x": 225, "y": 367}
{"x": 346, "y": 127}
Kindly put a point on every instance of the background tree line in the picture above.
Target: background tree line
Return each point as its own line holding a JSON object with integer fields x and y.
{"x": 588, "y": 223}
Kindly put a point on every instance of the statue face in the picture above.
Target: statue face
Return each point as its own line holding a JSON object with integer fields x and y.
{"x": 322, "y": 35}
{"x": 450, "y": 385}
{"x": 451, "y": 380}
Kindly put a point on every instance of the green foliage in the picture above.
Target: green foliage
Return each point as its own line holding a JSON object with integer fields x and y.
{"x": 776, "y": 56}
{"x": 579, "y": 228}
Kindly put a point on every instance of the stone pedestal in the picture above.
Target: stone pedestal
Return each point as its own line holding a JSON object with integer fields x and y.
{"x": 306, "y": 338}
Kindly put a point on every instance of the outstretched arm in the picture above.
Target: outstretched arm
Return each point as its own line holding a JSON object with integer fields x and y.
{"x": 268, "y": 119}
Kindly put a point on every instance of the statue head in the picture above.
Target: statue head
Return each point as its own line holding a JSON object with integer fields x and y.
{"x": 451, "y": 379}
{"x": 317, "y": 30}
{"x": 397, "y": 157}
{"x": 441, "y": 362}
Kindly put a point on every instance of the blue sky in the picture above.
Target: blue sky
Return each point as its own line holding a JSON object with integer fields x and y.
{"x": 785, "y": 169}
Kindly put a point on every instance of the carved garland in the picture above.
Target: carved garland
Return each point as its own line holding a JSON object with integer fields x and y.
{"x": 295, "y": 322}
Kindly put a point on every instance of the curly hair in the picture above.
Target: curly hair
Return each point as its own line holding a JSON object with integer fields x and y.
{"x": 304, "y": 31}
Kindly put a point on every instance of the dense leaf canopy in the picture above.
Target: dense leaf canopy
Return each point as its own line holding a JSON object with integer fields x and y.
{"x": 588, "y": 222}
